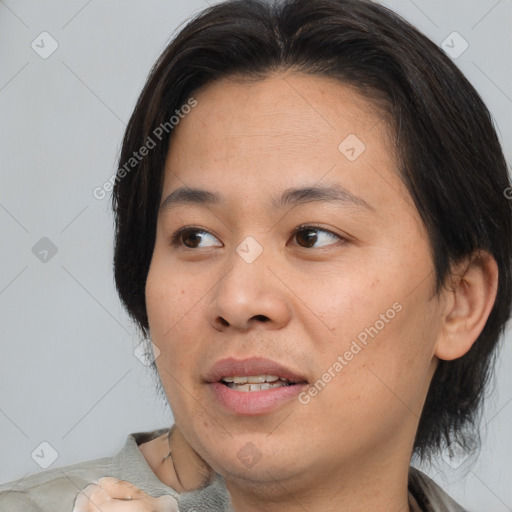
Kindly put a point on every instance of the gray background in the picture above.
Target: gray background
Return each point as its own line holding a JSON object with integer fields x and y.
{"x": 68, "y": 374}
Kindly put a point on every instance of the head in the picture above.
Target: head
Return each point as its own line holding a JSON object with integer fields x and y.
{"x": 384, "y": 283}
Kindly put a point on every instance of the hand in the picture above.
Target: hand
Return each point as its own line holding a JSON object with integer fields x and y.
{"x": 110, "y": 494}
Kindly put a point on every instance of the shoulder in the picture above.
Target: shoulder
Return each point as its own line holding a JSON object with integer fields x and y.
{"x": 429, "y": 495}
{"x": 53, "y": 489}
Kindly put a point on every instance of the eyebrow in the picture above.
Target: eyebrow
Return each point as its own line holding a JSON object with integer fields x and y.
{"x": 290, "y": 197}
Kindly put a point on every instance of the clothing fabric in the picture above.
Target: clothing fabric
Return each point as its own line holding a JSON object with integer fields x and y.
{"x": 55, "y": 490}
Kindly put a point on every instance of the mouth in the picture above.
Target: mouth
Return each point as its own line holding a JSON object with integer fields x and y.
{"x": 256, "y": 372}
{"x": 255, "y": 382}
{"x": 253, "y": 386}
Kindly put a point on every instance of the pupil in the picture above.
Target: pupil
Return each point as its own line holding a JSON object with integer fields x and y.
{"x": 196, "y": 238}
{"x": 310, "y": 238}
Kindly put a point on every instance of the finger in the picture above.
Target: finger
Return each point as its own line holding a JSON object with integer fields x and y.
{"x": 95, "y": 492}
{"x": 85, "y": 504}
{"x": 145, "y": 505}
{"x": 121, "y": 489}
{"x": 110, "y": 495}
{"x": 162, "y": 504}
{"x": 95, "y": 495}
{"x": 90, "y": 499}
{"x": 167, "y": 503}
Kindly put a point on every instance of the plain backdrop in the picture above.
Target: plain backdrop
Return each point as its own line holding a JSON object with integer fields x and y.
{"x": 69, "y": 377}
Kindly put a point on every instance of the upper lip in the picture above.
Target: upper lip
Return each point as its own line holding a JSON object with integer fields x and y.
{"x": 231, "y": 367}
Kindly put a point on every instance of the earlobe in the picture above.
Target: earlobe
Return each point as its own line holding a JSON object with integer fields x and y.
{"x": 470, "y": 299}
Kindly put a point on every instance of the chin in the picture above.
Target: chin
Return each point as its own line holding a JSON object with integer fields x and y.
{"x": 253, "y": 458}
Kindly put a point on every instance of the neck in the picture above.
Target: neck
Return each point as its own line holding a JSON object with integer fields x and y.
{"x": 175, "y": 463}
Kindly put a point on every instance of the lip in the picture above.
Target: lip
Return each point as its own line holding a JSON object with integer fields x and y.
{"x": 254, "y": 366}
{"x": 252, "y": 403}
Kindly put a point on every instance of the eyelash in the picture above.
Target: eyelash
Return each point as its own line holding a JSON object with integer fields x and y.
{"x": 176, "y": 236}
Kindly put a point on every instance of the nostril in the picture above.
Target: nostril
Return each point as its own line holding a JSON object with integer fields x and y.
{"x": 222, "y": 322}
{"x": 261, "y": 318}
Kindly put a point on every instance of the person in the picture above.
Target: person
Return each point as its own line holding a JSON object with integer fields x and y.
{"x": 311, "y": 228}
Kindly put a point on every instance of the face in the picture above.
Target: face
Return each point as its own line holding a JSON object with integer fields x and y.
{"x": 304, "y": 259}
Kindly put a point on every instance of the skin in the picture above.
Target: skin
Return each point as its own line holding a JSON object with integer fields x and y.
{"x": 349, "y": 448}
{"x": 110, "y": 494}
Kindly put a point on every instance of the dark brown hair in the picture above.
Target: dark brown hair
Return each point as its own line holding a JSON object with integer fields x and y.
{"x": 450, "y": 158}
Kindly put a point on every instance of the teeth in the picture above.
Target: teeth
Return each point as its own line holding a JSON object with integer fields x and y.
{"x": 252, "y": 379}
{"x": 256, "y": 387}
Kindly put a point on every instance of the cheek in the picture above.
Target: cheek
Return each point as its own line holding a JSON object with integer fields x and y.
{"x": 380, "y": 344}
{"x": 385, "y": 369}
{"x": 171, "y": 305}
{"x": 169, "y": 297}
{"x": 345, "y": 305}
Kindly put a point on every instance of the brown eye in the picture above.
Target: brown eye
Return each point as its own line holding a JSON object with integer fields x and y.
{"x": 191, "y": 238}
{"x": 308, "y": 236}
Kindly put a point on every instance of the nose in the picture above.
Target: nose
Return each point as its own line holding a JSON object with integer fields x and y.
{"x": 249, "y": 295}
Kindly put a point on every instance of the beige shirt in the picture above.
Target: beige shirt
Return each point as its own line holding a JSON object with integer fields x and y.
{"x": 55, "y": 490}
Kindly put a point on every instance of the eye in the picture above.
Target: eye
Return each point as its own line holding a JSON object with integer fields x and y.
{"x": 307, "y": 236}
{"x": 192, "y": 237}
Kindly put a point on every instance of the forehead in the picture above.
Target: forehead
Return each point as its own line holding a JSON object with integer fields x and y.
{"x": 287, "y": 129}
{"x": 294, "y": 106}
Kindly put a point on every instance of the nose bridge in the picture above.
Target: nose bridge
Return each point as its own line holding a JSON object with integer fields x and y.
{"x": 248, "y": 290}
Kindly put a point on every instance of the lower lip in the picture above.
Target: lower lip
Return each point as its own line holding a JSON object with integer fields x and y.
{"x": 251, "y": 403}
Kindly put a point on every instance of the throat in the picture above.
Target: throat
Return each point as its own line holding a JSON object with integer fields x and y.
{"x": 183, "y": 469}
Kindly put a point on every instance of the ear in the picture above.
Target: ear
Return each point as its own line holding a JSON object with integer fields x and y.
{"x": 470, "y": 297}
